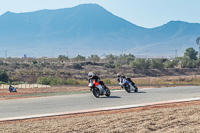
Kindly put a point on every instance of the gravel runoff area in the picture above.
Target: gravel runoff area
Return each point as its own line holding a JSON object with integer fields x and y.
{"x": 176, "y": 117}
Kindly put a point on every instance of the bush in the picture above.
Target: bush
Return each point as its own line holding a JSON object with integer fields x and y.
{"x": 79, "y": 58}
{"x": 50, "y": 81}
{"x": 44, "y": 80}
{"x": 109, "y": 64}
{"x": 107, "y": 81}
{"x": 59, "y": 81}
{"x": 77, "y": 66}
{"x": 186, "y": 62}
{"x": 170, "y": 63}
{"x": 17, "y": 83}
{"x": 1, "y": 82}
{"x": 139, "y": 63}
{"x": 118, "y": 65}
{"x": 63, "y": 58}
{"x": 156, "y": 63}
{"x": 72, "y": 82}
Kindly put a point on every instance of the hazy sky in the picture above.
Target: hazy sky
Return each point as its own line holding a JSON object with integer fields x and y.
{"x": 146, "y": 13}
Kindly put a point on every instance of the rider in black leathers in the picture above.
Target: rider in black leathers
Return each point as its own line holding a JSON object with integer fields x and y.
{"x": 91, "y": 75}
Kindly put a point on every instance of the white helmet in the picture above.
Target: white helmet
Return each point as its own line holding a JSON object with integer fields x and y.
{"x": 90, "y": 74}
{"x": 119, "y": 75}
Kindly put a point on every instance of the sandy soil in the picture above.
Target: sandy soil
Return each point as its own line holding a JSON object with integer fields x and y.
{"x": 178, "y": 117}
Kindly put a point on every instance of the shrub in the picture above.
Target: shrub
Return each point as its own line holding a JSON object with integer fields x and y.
{"x": 170, "y": 63}
{"x": 156, "y": 63}
{"x": 118, "y": 65}
{"x": 107, "y": 81}
{"x": 62, "y": 58}
{"x": 1, "y": 82}
{"x": 139, "y": 63}
{"x": 110, "y": 64}
{"x": 186, "y": 62}
{"x": 79, "y": 58}
{"x": 77, "y": 66}
{"x": 43, "y": 80}
{"x": 60, "y": 81}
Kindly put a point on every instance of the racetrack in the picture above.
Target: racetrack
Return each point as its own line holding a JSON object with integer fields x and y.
{"x": 67, "y": 103}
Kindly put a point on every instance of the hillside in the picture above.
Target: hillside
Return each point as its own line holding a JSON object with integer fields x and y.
{"x": 88, "y": 29}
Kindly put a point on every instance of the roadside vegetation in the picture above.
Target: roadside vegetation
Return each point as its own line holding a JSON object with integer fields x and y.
{"x": 73, "y": 71}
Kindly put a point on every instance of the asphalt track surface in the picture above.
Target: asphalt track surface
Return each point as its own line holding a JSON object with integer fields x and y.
{"x": 86, "y": 101}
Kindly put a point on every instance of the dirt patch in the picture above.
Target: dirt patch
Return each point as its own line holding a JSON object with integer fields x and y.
{"x": 176, "y": 117}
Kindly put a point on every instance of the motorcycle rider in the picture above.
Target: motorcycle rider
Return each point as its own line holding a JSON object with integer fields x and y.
{"x": 91, "y": 75}
{"x": 12, "y": 89}
{"x": 120, "y": 75}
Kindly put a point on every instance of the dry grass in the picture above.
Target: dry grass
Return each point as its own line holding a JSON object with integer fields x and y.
{"x": 181, "y": 117}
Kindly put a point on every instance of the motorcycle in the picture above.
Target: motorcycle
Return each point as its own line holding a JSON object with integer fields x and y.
{"x": 127, "y": 85}
{"x": 12, "y": 89}
{"x": 97, "y": 89}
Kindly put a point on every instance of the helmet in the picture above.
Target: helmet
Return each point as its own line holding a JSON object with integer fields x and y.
{"x": 90, "y": 74}
{"x": 119, "y": 74}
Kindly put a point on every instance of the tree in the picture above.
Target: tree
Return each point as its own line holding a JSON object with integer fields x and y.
{"x": 198, "y": 63}
{"x": 186, "y": 62}
{"x": 126, "y": 58}
{"x": 191, "y": 53}
{"x": 80, "y": 58}
{"x": 62, "y": 58}
{"x": 94, "y": 58}
{"x": 130, "y": 58}
{"x": 3, "y": 76}
{"x": 110, "y": 57}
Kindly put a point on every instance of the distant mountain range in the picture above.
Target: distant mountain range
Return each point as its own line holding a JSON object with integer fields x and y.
{"x": 89, "y": 29}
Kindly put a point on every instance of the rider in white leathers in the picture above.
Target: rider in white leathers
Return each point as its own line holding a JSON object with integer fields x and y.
{"x": 119, "y": 75}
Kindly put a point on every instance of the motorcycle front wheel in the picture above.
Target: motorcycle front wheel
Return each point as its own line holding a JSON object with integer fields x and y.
{"x": 107, "y": 92}
{"x": 127, "y": 88}
{"x": 136, "y": 89}
{"x": 96, "y": 92}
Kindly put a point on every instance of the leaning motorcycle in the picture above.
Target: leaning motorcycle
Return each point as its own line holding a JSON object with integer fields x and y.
{"x": 12, "y": 89}
{"x": 127, "y": 85}
{"x": 97, "y": 89}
